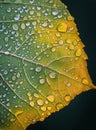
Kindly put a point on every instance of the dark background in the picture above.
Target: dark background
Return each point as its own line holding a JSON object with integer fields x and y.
{"x": 81, "y": 113}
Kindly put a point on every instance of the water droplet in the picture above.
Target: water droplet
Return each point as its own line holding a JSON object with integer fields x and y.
{"x": 6, "y": 52}
{"x": 23, "y": 26}
{"x": 40, "y": 102}
{"x": 18, "y": 75}
{"x": 68, "y": 84}
{"x": 31, "y": 1}
{"x": 85, "y": 81}
{"x": 36, "y": 95}
{"x": 69, "y": 41}
{"x": 38, "y": 69}
{"x": 15, "y": 27}
{"x": 18, "y": 113}
{"x": 43, "y": 108}
{"x": 6, "y": 39}
{"x": 44, "y": 24}
{"x": 51, "y": 98}
{"x": 58, "y": 34}
{"x": 71, "y": 47}
{"x": 5, "y": 72}
{"x": 52, "y": 75}
{"x": 32, "y": 104}
{"x": 17, "y": 17}
{"x": 49, "y": 108}
{"x": 78, "y": 52}
{"x": 13, "y": 77}
{"x": 8, "y": 10}
{"x": 70, "y": 18}
{"x": 12, "y": 119}
{"x": 53, "y": 49}
{"x": 42, "y": 81}
{"x": 59, "y": 106}
{"x": 62, "y": 27}
{"x": 74, "y": 42}
{"x": 61, "y": 42}
{"x": 55, "y": 12}
{"x": 67, "y": 98}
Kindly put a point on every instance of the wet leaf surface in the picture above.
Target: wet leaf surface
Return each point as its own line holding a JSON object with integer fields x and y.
{"x": 42, "y": 61}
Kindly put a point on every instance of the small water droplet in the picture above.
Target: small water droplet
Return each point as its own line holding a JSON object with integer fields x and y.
{"x": 67, "y": 98}
{"x": 49, "y": 108}
{"x": 55, "y": 12}
{"x": 61, "y": 42}
{"x": 78, "y": 52}
{"x": 59, "y": 106}
{"x": 40, "y": 102}
{"x": 38, "y": 69}
{"x": 62, "y": 27}
{"x": 53, "y": 49}
{"x": 18, "y": 75}
{"x": 44, "y": 24}
{"x": 70, "y": 18}
{"x": 52, "y": 75}
{"x": 85, "y": 81}
{"x": 32, "y": 104}
{"x": 31, "y": 1}
{"x": 8, "y": 10}
{"x": 18, "y": 113}
{"x": 13, "y": 77}
{"x": 68, "y": 84}
{"x": 42, "y": 81}
{"x": 15, "y": 27}
{"x": 17, "y": 17}
{"x": 6, "y": 52}
{"x": 50, "y": 98}
{"x": 43, "y": 108}
{"x": 23, "y": 26}
{"x": 12, "y": 119}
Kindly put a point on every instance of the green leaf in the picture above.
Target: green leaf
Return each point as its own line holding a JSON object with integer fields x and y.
{"x": 42, "y": 61}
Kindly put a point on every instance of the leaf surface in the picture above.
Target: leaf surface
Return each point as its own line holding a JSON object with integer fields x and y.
{"x": 42, "y": 61}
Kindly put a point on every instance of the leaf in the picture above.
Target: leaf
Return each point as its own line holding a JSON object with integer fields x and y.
{"x": 42, "y": 61}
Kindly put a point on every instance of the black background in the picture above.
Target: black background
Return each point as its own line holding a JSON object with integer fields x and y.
{"x": 81, "y": 113}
